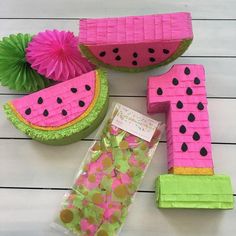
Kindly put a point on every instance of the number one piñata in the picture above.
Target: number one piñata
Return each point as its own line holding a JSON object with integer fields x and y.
{"x": 181, "y": 94}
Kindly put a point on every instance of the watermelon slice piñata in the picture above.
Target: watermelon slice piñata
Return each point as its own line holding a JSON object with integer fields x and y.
{"x": 63, "y": 113}
{"x": 135, "y": 43}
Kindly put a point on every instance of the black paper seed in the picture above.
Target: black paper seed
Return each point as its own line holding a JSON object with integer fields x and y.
{"x": 115, "y": 50}
{"x": 73, "y": 90}
{"x": 196, "y": 136}
{"x": 87, "y": 87}
{"x": 182, "y": 129}
{"x": 189, "y": 91}
{"x": 159, "y": 91}
{"x": 64, "y": 112}
{"x": 135, "y": 63}
{"x": 179, "y": 105}
{"x": 81, "y": 103}
{"x": 152, "y": 59}
{"x": 175, "y": 81}
{"x": 118, "y": 58}
{"x": 151, "y": 50}
{"x": 186, "y": 71}
{"x": 102, "y": 54}
{"x": 59, "y": 100}
{"x": 45, "y": 112}
{"x": 203, "y": 151}
{"x": 28, "y": 111}
{"x": 166, "y": 51}
{"x": 200, "y": 106}
{"x": 135, "y": 54}
{"x": 197, "y": 81}
{"x": 191, "y": 117}
{"x": 40, "y": 100}
{"x": 184, "y": 147}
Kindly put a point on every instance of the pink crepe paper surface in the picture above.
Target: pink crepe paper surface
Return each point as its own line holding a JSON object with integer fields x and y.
{"x": 181, "y": 93}
{"x": 55, "y": 55}
{"x": 136, "y": 29}
{"x": 73, "y": 96}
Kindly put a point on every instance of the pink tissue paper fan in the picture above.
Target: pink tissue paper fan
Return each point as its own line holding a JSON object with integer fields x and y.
{"x": 55, "y": 55}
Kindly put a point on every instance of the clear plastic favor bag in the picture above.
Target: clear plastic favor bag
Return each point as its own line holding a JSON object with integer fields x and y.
{"x": 110, "y": 175}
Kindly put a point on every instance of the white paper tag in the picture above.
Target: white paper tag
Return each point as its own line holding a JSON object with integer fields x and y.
{"x": 134, "y": 122}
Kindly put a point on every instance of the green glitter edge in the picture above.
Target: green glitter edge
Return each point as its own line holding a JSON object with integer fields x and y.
{"x": 74, "y": 132}
{"x": 184, "y": 44}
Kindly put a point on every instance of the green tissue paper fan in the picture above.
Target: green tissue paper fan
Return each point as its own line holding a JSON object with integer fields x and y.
{"x": 15, "y": 72}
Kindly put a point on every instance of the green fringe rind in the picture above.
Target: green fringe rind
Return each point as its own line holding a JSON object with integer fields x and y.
{"x": 90, "y": 56}
{"x": 194, "y": 191}
{"x": 15, "y": 72}
{"x": 74, "y": 132}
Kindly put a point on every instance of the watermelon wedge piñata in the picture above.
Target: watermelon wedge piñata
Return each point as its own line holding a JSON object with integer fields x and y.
{"x": 135, "y": 43}
{"x": 63, "y": 113}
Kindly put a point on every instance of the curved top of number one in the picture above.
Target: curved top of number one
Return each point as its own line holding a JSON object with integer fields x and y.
{"x": 181, "y": 93}
{"x": 135, "y": 43}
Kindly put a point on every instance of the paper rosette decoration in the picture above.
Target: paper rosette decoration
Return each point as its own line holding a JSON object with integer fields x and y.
{"x": 55, "y": 54}
{"x": 15, "y": 72}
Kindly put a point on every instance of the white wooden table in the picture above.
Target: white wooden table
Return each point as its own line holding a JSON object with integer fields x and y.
{"x": 33, "y": 176}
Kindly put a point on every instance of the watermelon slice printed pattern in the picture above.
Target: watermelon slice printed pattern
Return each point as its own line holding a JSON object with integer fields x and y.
{"x": 136, "y": 55}
{"x": 58, "y": 104}
{"x": 181, "y": 93}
